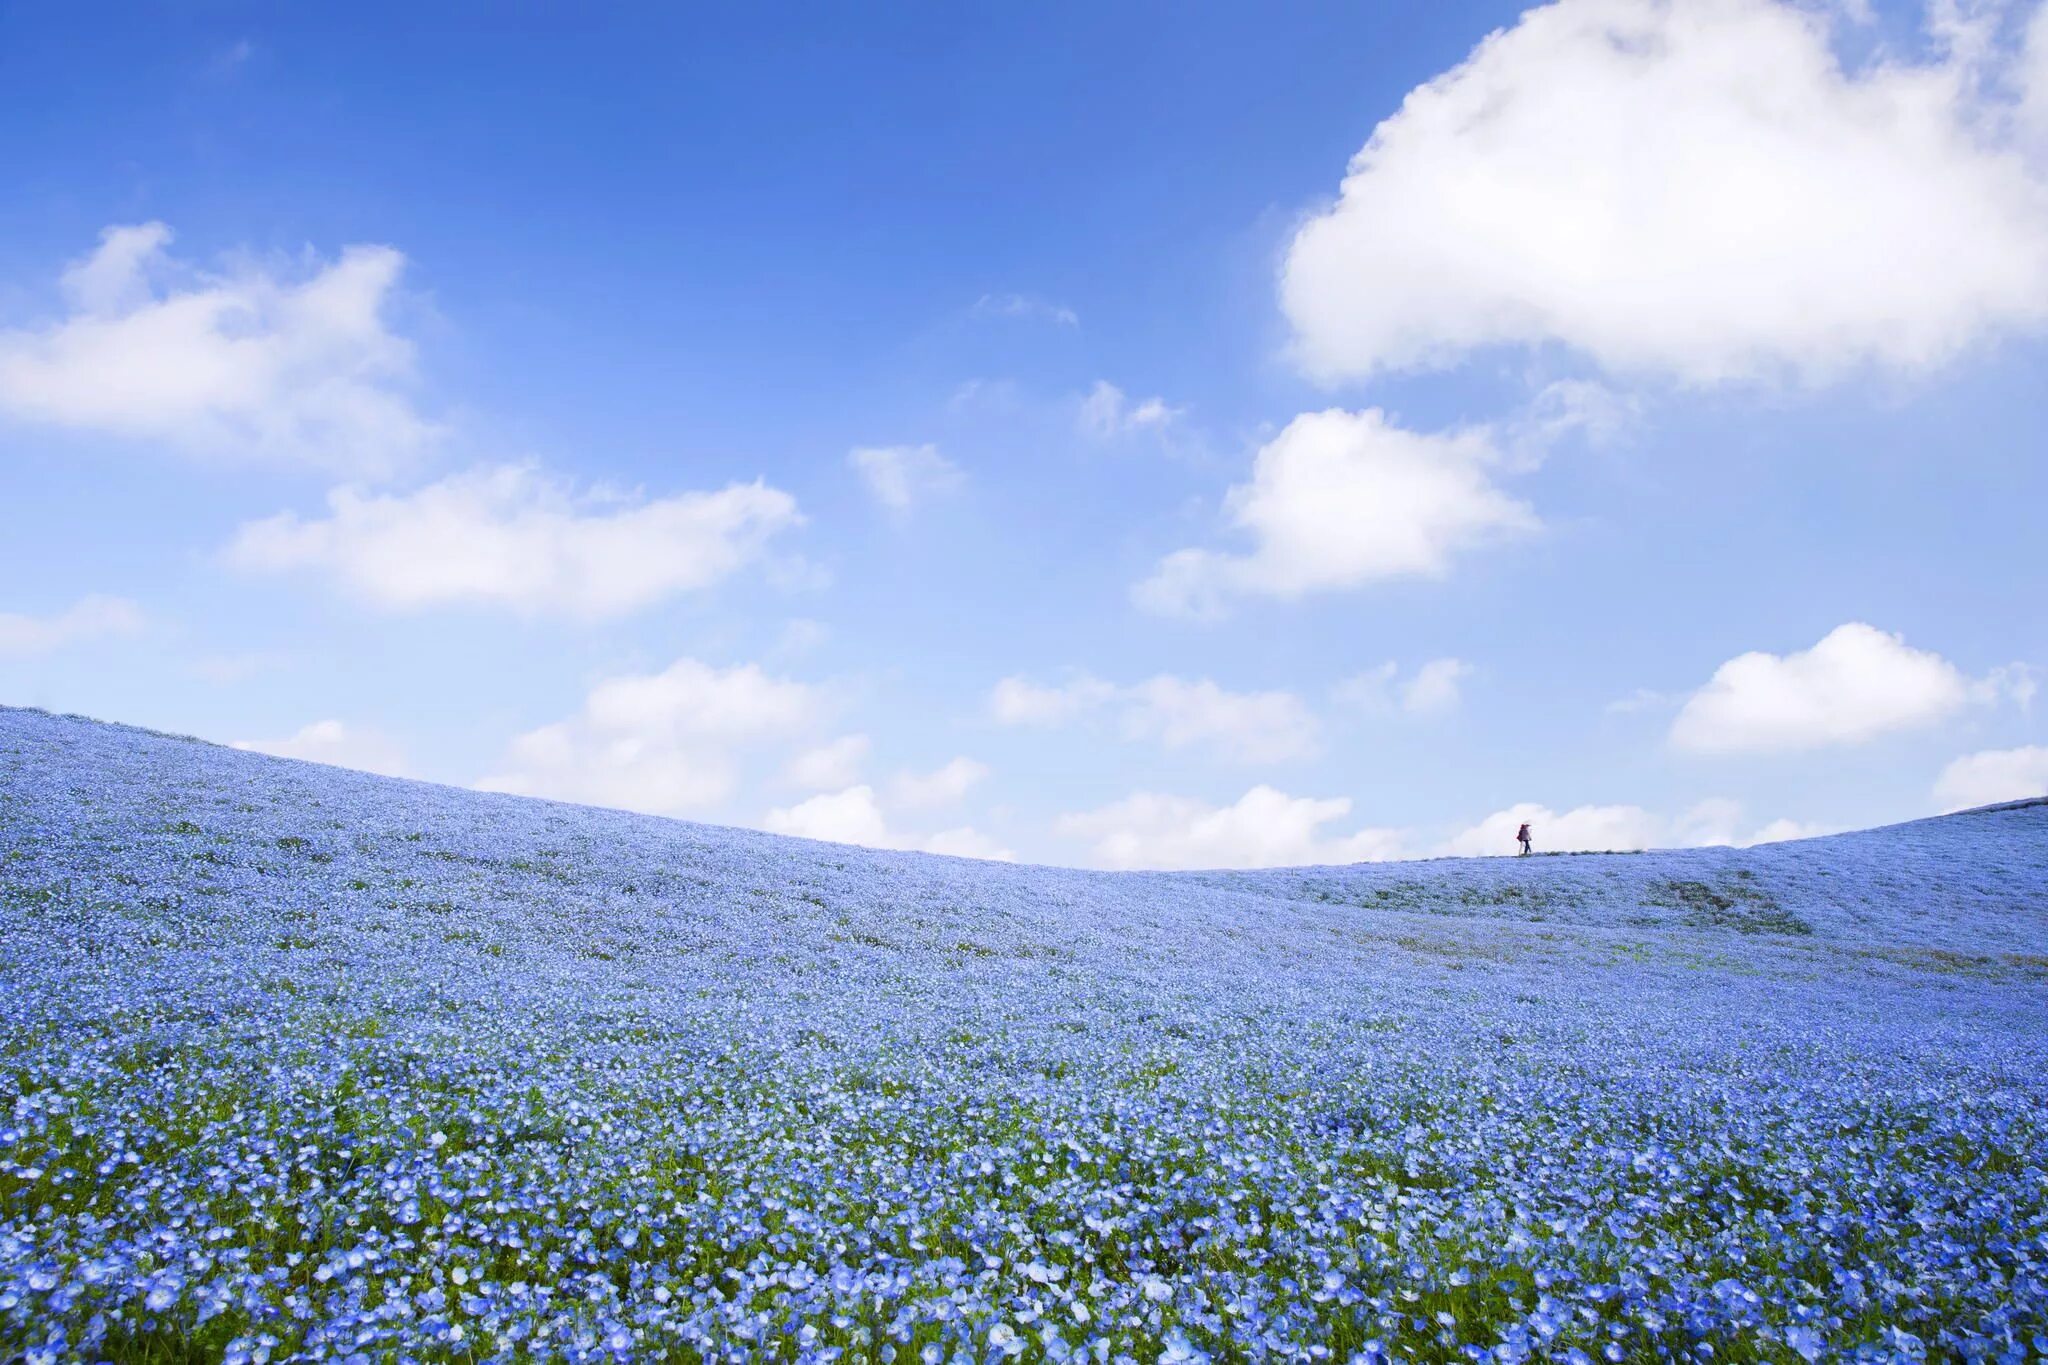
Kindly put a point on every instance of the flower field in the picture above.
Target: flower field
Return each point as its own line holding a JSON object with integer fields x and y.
{"x": 298, "y": 1063}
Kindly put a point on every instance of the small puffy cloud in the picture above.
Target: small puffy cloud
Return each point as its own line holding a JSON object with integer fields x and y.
{"x": 1107, "y": 414}
{"x": 249, "y": 363}
{"x": 1025, "y": 306}
{"x": 942, "y": 786}
{"x": 1780, "y": 831}
{"x": 1019, "y": 701}
{"x": 967, "y": 842}
{"x": 900, "y": 477}
{"x": 1857, "y": 683}
{"x": 828, "y": 767}
{"x": 855, "y": 816}
{"x": 1992, "y": 776}
{"x": 1434, "y": 689}
{"x": 1563, "y": 411}
{"x": 1263, "y": 828}
{"x": 1177, "y": 713}
{"x": 1701, "y": 191}
{"x": 852, "y": 816}
{"x": 1373, "y": 690}
{"x": 663, "y": 743}
{"x": 1339, "y": 500}
{"x": 1640, "y": 700}
{"x": 509, "y": 536}
{"x": 93, "y": 617}
{"x": 1254, "y": 727}
{"x": 339, "y": 745}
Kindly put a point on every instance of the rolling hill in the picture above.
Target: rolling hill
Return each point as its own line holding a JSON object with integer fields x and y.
{"x": 304, "y": 1063}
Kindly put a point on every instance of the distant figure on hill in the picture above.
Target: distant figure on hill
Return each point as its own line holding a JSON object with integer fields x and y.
{"x": 1522, "y": 838}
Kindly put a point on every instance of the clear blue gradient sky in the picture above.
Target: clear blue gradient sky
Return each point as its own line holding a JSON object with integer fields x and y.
{"x": 1010, "y": 432}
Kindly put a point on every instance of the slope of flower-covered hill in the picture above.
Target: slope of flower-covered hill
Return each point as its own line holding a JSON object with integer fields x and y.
{"x": 298, "y": 1063}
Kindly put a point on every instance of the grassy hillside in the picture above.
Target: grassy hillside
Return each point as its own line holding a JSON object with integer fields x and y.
{"x": 301, "y": 1063}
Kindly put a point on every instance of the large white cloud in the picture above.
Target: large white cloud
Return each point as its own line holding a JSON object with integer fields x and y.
{"x": 1993, "y": 775}
{"x": 338, "y": 744}
{"x": 1177, "y": 713}
{"x": 89, "y": 618}
{"x": 1699, "y": 190}
{"x": 1263, "y": 828}
{"x": 1857, "y": 683}
{"x": 1340, "y": 499}
{"x": 510, "y": 536}
{"x": 665, "y": 743}
{"x": 248, "y": 362}
{"x": 855, "y": 816}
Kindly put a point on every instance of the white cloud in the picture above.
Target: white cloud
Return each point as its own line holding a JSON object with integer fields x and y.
{"x": 968, "y": 842}
{"x": 1640, "y": 700}
{"x": 829, "y": 766}
{"x": 1436, "y": 686}
{"x": 90, "y": 618}
{"x": 854, "y": 816}
{"x": 1994, "y": 775}
{"x": 1268, "y": 828}
{"x": 337, "y": 744}
{"x": 1695, "y": 190}
{"x": 942, "y": 786}
{"x": 1028, "y": 306}
{"x": 1106, "y": 413}
{"x": 1254, "y": 727}
{"x": 900, "y": 477}
{"x": 1434, "y": 689}
{"x": 1373, "y": 690}
{"x": 1856, "y": 683}
{"x": 1340, "y": 499}
{"x": 1586, "y": 828}
{"x": 1263, "y": 828}
{"x": 1599, "y": 829}
{"x": 247, "y": 363}
{"x": 1778, "y": 831}
{"x": 510, "y": 536}
{"x": 1561, "y": 411}
{"x": 2032, "y": 79}
{"x": 1019, "y": 701}
{"x": 664, "y": 743}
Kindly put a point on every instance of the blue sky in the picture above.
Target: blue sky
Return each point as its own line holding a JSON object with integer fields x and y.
{"x": 1035, "y": 433}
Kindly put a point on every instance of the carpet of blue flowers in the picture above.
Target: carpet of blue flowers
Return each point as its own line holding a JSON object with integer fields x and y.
{"x": 297, "y": 1063}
